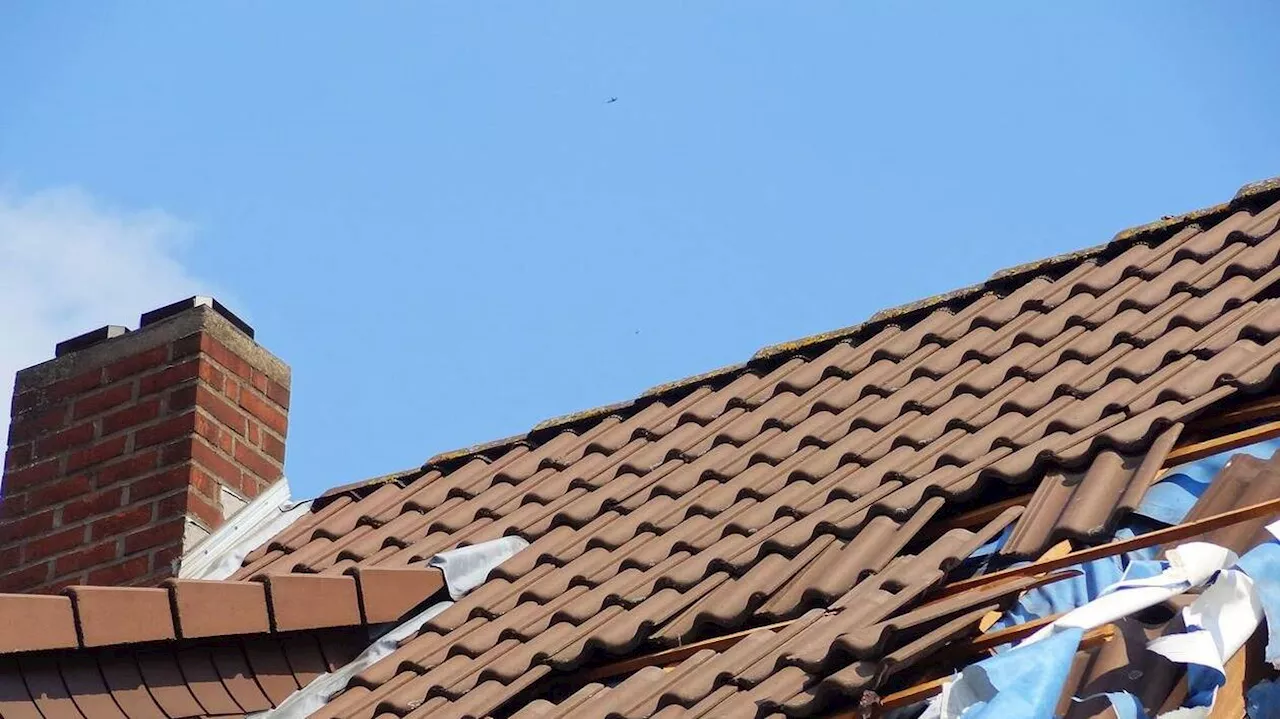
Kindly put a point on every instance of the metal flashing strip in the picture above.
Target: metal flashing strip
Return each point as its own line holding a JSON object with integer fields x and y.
{"x": 220, "y": 554}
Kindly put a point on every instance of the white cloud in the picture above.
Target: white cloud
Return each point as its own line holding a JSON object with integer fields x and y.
{"x": 70, "y": 264}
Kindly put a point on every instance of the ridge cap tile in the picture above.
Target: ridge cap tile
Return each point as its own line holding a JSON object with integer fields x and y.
{"x": 209, "y": 608}
{"x": 311, "y": 601}
{"x": 388, "y": 593}
{"x": 30, "y": 622}
{"x": 121, "y": 615}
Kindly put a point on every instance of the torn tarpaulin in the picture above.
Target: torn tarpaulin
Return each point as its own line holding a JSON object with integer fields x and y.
{"x": 1189, "y": 565}
{"x": 1023, "y": 682}
{"x": 1223, "y": 618}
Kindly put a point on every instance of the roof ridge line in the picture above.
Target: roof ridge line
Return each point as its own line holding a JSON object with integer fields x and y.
{"x": 1250, "y": 196}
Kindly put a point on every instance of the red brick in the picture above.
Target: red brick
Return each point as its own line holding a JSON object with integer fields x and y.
{"x": 75, "y": 385}
{"x": 264, "y": 411}
{"x": 221, "y": 410}
{"x": 40, "y": 473}
{"x": 26, "y": 527}
{"x": 132, "y": 466}
{"x": 225, "y": 357}
{"x": 140, "y": 413}
{"x": 214, "y": 376}
{"x": 162, "y": 560}
{"x": 102, "y": 451}
{"x": 232, "y": 391}
{"x": 157, "y": 484}
{"x": 11, "y": 557}
{"x": 53, "y": 543}
{"x": 181, "y": 398}
{"x": 112, "y": 396}
{"x": 278, "y": 393}
{"x": 166, "y": 430}
{"x": 25, "y": 401}
{"x": 56, "y": 586}
{"x": 221, "y": 467}
{"x": 175, "y": 452}
{"x": 100, "y": 503}
{"x": 273, "y": 447}
{"x": 13, "y": 505}
{"x": 254, "y": 435}
{"x": 140, "y": 362}
{"x": 185, "y": 346}
{"x": 168, "y": 377}
{"x": 18, "y": 456}
{"x": 202, "y": 509}
{"x": 256, "y": 463}
{"x": 156, "y": 536}
{"x": 214, "y": 433}
{"x": 58, "y": 492}
{"x": 64, "y": 440}
{"x": 82, "y": 559}
{"x": 205, "y": 484}
{"x": 258, "y": 381}
{"x": 122, "y": 521}
{"x": 191, "y": 504}
{"x": 22, "y": 579}
{"x": 122, "y": 573}
{"x": 30, "y": 425}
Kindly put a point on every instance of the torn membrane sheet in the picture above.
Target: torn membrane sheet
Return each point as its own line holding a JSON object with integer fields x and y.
{"x": 1223, "y": 618}
{"x": 464, "y": 569}
{"x": 1016, "y": 680}
{"x": 1023, "y": 682}
{"x": 1190, "y": 565}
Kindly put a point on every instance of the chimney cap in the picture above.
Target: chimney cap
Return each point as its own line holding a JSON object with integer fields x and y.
{"x": 168, "y": 311}
{"x": 88, "y": 339}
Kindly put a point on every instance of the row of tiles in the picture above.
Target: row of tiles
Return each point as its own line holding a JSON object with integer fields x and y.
{"x": 87, "y": 616}
{"x": 228, "y": 677}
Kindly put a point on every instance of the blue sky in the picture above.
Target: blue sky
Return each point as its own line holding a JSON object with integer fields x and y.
{"x": 430, "y": 211}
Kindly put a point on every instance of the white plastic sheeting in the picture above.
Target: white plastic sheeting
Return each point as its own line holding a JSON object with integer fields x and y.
{"x": 466, "y": 568}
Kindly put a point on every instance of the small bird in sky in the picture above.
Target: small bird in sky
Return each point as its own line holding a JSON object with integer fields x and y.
{"x": 611, "y": 100}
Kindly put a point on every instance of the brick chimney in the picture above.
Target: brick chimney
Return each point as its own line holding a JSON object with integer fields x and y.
{"x": 129, "y": 447}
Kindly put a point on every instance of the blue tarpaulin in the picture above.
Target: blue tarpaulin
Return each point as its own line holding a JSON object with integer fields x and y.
{"x": 1022, "y": 682}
